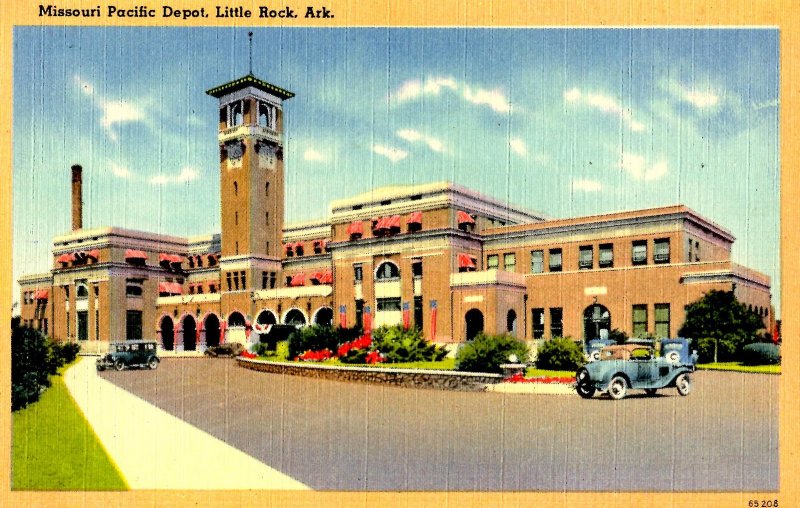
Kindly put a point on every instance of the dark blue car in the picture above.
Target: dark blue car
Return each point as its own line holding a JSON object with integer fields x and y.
{"x": 635, "y": 366}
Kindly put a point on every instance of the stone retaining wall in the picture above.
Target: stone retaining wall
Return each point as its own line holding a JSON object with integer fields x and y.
{"x": 436, "y": 379}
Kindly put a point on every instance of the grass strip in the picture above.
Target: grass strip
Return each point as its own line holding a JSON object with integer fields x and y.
{"x": 55, "y": 448}
{"x": 738, "y": 367}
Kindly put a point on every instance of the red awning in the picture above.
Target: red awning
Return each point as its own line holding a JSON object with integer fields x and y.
{"x": 65, "y": 258}
{"x": 298, "y": 279}
{"x": 465, "y": 218}
{"x": 172, "y": 288}
{"x": 392, "y": 222}
{"x": 355, "y": 228}
{"x": 466, "y": 260}
{"x": 326, "y": 277}
{"x": 40, "y": 294}
{"x": 135, "y": 254}
{"x": 414, "y": 218}
{"x": 176, "y": 260}
{"x": 169, "y": 258}
{"x": 94, "y": 254}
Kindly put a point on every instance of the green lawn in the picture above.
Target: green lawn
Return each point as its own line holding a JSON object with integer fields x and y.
{"x": 738, "y": 367}
{"x": 534, "y": 372}
{"x": 54, "y": 448}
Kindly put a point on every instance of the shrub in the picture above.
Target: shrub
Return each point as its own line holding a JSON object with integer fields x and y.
{"x": 312, "y": 338}
{"x": 32, "y": 362}
{"x": 355, "y": 356}
{"x": 280, "y": 352}
{"x": 761, "y": 354}
{"x": 398, "y": 345}
{"x": 726, "y": 349}
{"x": 485, "y": 353}
{"x": 560, "y": 353}
{"x": 229, "y": 349}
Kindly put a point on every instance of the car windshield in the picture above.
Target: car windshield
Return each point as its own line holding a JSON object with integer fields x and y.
{"x": 666, "y": 348}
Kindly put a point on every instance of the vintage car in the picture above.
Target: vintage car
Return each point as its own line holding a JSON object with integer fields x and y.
{"x": 635, "y": 366}
{"x": 591, "y": 351}
{"x": 131, "y": 353}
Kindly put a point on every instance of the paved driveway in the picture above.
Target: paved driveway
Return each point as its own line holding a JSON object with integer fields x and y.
{"x": 344, "y": 436}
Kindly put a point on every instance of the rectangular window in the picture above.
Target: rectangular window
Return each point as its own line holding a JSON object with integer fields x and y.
{"x": 236, "y": 281}
{"x": 266, "y": 219}
{"x": 83, "y": 325}
{"x": 244, "y": 279}
{"x": 418, "y": 312}
{"x": 228, "y": 280}
{"x": 556, "y": 322}
{"x": 554, "y": 262}
{"x": 661, "y": 314}
{"x": 697, "y": 251}
{"x": 639, "y": 320}
{"x": 510, "y": 262}
{"x": 200, "y": 288}
{"x": 586, "y": 257}
{"x": 358, "y": 274}
{"x": 359, "y": 313}
{"x": 388, "y": 305}
{"x": 416, "y": 268}
{"x": 661, "y": 250}
{"x": 492, "y": 262}
{"x": 537, "y": 261}
{"x": 606, "y": 255}
{"x": 537, "y": 319}
{"x": 264, "y": 280}
{"x": 639, "y": 252}
{"x": 689, "y": 251}
{"x": 272, "y": 278}
{"x": 133, "y": 325}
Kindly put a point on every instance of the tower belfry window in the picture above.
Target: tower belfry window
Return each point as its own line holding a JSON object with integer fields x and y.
{"x": 266, "y": 115}
{"x": 236, "y": 116}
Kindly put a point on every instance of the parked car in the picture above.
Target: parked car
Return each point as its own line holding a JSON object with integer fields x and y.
{"x": 131, "y": 353}
{"x": 635, "y": 366}
{"x": 592, "y": 349}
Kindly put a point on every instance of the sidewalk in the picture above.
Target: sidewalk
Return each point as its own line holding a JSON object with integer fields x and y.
{"x": 155, "y": 450}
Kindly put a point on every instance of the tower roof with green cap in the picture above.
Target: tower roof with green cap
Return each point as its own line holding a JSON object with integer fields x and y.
{"x": 244, "y": 82}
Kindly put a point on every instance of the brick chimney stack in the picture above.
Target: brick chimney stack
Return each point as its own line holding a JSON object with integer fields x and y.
{"x": 77, "y": 197}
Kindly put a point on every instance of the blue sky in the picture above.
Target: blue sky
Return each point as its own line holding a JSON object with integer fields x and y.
{"x": 564, "y": 121}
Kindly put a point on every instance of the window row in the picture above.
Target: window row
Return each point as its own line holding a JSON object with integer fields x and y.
{"x": 640, "y": 322}
{"x": 233, "y": 114}
{"x": 586, "y": 257}
{"x": 292, "y": 249}
{"x": 386, "y": 271}
{"x": 236, "y": 280}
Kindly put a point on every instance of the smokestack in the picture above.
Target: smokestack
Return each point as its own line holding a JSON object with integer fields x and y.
{"x": 77, "y": 197}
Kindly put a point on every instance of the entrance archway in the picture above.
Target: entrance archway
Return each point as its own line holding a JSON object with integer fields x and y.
{"x": 167, "y": 333}
{"x": 324, "y": 316}
{"x": 211, "y": 326}
{"x": 596, "y": 318}
{"x": 511, "y": 322}
{"x": 189, "y": 334}
{"x": 294, "y": 317}
{"x": 474, "y": 323}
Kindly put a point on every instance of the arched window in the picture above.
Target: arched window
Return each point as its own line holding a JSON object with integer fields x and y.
{"x": 236, "y": 116}
{"x": 236, "y": 319}
{"x": 294, "y": 317}
{"x": 387, "y": 270}
{"x": 511, "y": 322}
{"x": 82, "y": 292}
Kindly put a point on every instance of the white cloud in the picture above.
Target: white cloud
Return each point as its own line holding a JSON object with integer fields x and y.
{"x": 586, "y": 185}
{"x": 699, "y": 98}
{"x": 414, "y": 89}
{"x": 187, "y": 174}
{"x": 393, "y": 154}
{"x": 518, "y": 146}
{"x": 413, "y": 136}
{"x": 637, "y": 166}
{"x": 114, "y": 112}
{"x": 119, "y": 170}
{"x": 312, "y": 155}
{"x": 766, "y": 104}
{"x": 604, "y": 104}
{"x": 492, "y": 98}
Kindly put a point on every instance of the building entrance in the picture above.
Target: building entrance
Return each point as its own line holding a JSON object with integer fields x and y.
{"x": 474, "y": 323}
{"x": 596, "y": 322}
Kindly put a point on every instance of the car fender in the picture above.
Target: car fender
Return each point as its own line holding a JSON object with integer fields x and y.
{"x": 677, "y": 372}
{"x": 607, "y": 382}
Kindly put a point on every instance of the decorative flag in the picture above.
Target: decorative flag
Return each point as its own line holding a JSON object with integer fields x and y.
{"x": 433, "y": 319}
{"x": 222, "y": 327}
{"x": 367, "y": 322}
{"x": 247, "y": 329}
{"x": 198, "y": 331}
{"x": 776, "y": 334}
{"x": 406, "y": 315}
{"x": 343, "y": 316}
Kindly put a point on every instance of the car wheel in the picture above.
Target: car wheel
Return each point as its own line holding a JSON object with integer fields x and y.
{"x": 683, "y": 384}
{"x": 152, "y": 363}
{"x": 617, "y": 388}
{"x": 119, "y": 365}
{"x": 583, "y": 384}
{"x": 100, "y": 368}
{"x": 650, "y": 391}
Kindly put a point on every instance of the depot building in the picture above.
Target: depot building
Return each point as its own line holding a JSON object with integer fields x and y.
{"x": 438, "y": 256}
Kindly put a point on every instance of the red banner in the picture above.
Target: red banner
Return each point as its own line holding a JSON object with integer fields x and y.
{"x": 222, "y": 327}
{"x": 406, "y": 316}
{"x": 367, "y": 322}
{"x": 342, "y": 316}
{"x": 433, "y": 319}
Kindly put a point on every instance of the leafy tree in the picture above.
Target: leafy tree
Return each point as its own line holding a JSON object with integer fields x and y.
{"x": 560, "y": 353}
{"x": 485, "y": 353}
{"x": 720, "y": 325}
{"x": 32, "y": 362}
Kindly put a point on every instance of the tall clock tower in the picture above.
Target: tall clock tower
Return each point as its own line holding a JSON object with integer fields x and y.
{"x": 251, "y": 180}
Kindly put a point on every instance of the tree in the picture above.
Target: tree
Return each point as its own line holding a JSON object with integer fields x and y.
{"x": 720, "y": 325}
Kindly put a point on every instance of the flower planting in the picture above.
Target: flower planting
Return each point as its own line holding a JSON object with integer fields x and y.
{"x": 520, "y": 378}
{"x": 315, "y": 356}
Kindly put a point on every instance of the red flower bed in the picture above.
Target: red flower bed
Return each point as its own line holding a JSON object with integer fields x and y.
{"x": 316, "y": 356}
{"x": 519, "y": 378}
{"x": 248, "y": 354}
{"x": 375, "y": 357}
{"x": 364, "y": 341}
